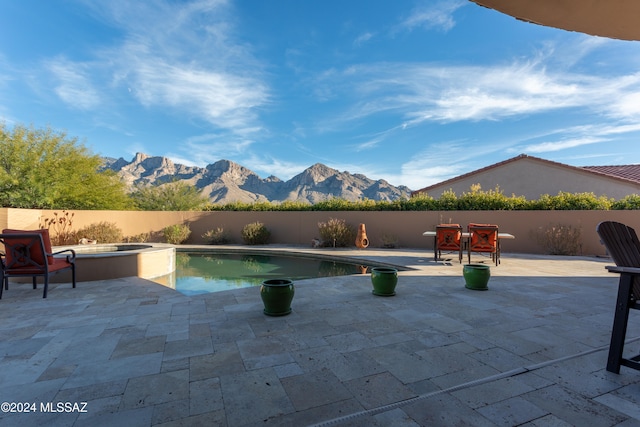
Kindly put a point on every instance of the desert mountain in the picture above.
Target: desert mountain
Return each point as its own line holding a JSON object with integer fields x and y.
{"x": 225, "y": 181}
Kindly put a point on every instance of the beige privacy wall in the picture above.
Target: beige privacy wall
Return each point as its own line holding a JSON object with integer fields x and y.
{"x": 299, "y": 228}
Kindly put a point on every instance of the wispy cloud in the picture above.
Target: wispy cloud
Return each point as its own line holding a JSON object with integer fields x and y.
{"x": 545, "y": 147}
{"x": 435, "y": 164}
{"x": 362, "y": 39}
{"x": 180, "y": 57}
{"x": 432, "y": 15}
{"x": 437, "y": 93}
{"x": 283, "y": 170}
{"x": 73, "y": 84}
{"x": 572, "y": 137}
{"x": 211, "y": 147}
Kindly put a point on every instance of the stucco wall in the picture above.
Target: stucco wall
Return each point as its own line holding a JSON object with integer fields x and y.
{"x": 299, "y": 228}
{"x": 532, "y": 178}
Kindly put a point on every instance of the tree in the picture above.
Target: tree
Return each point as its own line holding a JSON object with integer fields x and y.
{"x": 172, "y": 196}
{"x": 43, "y": 169}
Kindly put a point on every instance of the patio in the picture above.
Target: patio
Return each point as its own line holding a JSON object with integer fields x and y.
{"x": 530, "y": 351}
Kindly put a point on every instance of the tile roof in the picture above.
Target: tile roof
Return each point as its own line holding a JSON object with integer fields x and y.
{"x": 628, "y": 172}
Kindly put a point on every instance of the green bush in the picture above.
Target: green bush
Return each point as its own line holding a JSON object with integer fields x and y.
{"x": 216, "y": 236}
{"x": 572, "y": 201}
{"x": 102, "y": 232}
{"x": 630, "y": 202}
{"x": 419, "y": 202}
{"x": 475, "y": 199}
{"x": 176, "y": 234}
{"x": 337, "y": 233}
{"x": 255, "y": 233}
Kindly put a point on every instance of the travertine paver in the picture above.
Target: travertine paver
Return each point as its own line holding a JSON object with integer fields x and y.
{"x": 530, "y": 351}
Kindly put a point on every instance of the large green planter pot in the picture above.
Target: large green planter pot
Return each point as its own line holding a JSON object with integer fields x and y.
{"x": 277, "y": 295}
{"x": 384, "y": 280}
{"x": 476, "y": 276}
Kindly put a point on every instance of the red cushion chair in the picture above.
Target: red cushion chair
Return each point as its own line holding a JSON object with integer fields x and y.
{"x": 448, "y": 239}
{"x": 483, "y": 238}
{"x": 28, "y": 253}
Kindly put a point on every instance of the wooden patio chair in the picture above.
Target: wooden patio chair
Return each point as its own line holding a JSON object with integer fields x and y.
{"x": 483, "y": 238}
{"x": 448, "y": 239}
{"x": 623, "y": 246}
{"x": 29, "y": 254}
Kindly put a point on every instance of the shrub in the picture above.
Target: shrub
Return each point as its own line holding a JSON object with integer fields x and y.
{"x": 389, "y": 241}
{"x": 477, "y": 199}
{"x": 630, "y": 202}
{"x": 216, "y": 236}
{"x": 176, "y": 234}
{"x": 255, "y": 233}
{"x": 138, "y": 238}
{"x": 60, "y": 228}
{"x": 560, "y": 239}
{"x": 337, "y": 233}
{"x": 102, "y": 232}
{"x": 448, "y": 201}
{"x": 572, "y": 201}
{"x": 419, "y": 202}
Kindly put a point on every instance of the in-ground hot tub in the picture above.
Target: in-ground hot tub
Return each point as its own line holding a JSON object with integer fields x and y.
{"x": 113, "y": 261}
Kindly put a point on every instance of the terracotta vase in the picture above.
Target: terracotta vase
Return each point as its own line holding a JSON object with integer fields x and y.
{"x": 361, "y": 239}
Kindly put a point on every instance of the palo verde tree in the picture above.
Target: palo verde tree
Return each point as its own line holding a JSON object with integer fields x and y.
{"x": 44, "y": 169}
{"x": 171, "y": 196}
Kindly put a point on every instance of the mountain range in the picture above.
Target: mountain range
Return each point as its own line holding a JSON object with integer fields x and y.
{"x": 225, "y": 181}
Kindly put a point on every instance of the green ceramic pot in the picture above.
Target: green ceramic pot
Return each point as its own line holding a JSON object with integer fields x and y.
{"x": 384, "y": 280}
{"x": 476, "y": 276}
{"x": 277, "y": 295}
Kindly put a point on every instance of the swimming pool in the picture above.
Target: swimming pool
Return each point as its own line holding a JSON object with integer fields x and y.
{"x": 199, "y": 273}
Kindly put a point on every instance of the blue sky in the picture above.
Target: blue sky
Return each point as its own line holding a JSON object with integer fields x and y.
{"x": 413, "y": 92}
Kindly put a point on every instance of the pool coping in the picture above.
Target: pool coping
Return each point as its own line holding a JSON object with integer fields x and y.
{"x": 316, "y": 253}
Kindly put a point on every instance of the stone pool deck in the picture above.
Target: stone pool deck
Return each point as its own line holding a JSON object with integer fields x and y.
{"x": 529, "y": 351}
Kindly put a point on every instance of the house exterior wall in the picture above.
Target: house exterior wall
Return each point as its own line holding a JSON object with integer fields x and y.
{"x": 299, "y": 228}
{"x": 532, "y": 178}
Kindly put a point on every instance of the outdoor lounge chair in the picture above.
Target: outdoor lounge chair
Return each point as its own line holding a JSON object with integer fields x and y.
{"x": 623, "y": 245}
{"x": 28, "y": 254}
{"x": 448, "y": 239}
{"x": 483, "y": 238}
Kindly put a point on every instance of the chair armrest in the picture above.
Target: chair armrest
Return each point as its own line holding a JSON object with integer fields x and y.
{"x": 628, "y": 270}
{"x": 70, "y": 258}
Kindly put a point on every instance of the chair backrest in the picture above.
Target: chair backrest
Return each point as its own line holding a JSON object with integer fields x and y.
{"x": 448, "y": 236}
{"x": 26, "y": 248}
{"x": 475, "y": 224}
{"x": 621, "y": 242}
{"x": 483, "y": 237}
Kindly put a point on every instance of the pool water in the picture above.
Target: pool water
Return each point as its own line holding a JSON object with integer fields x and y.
{"x": 199, "y": 273}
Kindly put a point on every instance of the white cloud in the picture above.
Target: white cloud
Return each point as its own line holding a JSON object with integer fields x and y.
{"x": 182, "y": 57}
{"x": 362, "y": 39}
{"x": 572, "y": 137}
{"x": 435, "y": 164}
{"x": 545, "y": 147}
{"x": 209, "y": 148}
{"x": 73, "y": 84}
{"x": 271, "y": 166}
{"x": 437, "y": 15}
{"x": 419, "y": 93}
